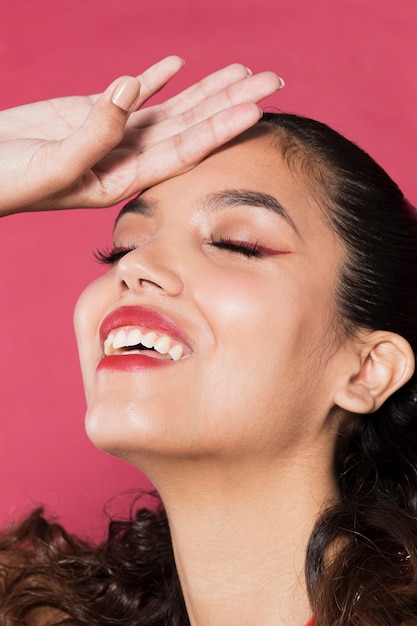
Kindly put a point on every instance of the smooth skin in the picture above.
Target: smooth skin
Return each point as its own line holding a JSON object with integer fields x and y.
{"x": 238, "y": 437}
{"x": 224, "y": 434}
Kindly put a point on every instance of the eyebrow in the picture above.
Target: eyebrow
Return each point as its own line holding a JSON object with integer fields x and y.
{"x": 216, "y": 202}
{"x": 236, "y": 197}
{"x": 138, "y": 206}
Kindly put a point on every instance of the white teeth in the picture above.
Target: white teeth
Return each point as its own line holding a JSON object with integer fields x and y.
{"x": 119, "y": 340}
{"x": 148, "y": 340}
{"x": 176, "y": 352}
{"x": 108, "y": 345}
{"x": 127, "y": 338}
{"x": 134, "y": 337}
{"x": 163, "y": 344}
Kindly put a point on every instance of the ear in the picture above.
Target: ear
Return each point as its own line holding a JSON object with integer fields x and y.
{"x": 384, "y": 363}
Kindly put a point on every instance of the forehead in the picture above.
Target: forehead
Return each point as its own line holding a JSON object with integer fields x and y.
{"x": 253, "y": 161}
{"x": 248, "y": 171}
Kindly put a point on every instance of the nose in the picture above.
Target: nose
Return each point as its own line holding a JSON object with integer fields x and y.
{"x": 150, "y": 268}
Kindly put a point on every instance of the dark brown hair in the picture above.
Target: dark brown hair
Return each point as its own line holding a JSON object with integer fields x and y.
{"x": 128, "y": 580}
{"x": 361, "y": 565}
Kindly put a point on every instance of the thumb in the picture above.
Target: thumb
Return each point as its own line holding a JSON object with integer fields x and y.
{"x": 103, "y": 128}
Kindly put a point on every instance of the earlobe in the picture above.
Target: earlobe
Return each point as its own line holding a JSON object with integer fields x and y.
{"x": 384, "y": 363}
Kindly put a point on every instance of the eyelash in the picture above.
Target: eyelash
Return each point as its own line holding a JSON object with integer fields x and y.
{"x": 243, "y": 247}
{"x": 112, "y": 255}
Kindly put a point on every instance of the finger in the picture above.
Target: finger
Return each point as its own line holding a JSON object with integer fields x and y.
{"x": 101, "y": 131}
{"x": 155, "y": 77}
{"x": 152, "y": 79}
{"x": 251, "y": 89}
{"x": 191, "y": 97}
{"x": 183, "y": 151}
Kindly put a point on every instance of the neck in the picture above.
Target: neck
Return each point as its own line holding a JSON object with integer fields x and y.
{"x": 240, "y": 534}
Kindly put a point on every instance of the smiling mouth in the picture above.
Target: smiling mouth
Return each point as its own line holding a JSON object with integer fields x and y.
{"x": 136, "y": 340}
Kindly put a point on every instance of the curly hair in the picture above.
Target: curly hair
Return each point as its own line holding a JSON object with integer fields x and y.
{"x": 129, "y": 579}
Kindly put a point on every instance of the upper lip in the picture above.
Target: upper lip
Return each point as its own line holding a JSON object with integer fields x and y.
{"x": 145, "y": 317}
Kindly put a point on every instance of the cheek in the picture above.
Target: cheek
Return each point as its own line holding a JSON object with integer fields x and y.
{"x": 255, "y": 323}
{"x": 245, "y": 309}
{"x": 273, "y": 326}
{"x": 227, "y": 297}
{"x": 88, "y": 312}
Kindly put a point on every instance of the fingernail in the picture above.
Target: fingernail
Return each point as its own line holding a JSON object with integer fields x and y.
{"x": 261, "y": 113}
{"x": 249, "y": 71}
{"x": 281, "y": 82}
{"x": 126, "y": 93}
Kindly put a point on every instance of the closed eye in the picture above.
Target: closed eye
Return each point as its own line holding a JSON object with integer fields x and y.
{"x": 242, "y": 247}
{"x": 112, "y": 255}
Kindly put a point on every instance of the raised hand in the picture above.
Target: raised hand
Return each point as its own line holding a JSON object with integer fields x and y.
{"x": 94, "y": 151}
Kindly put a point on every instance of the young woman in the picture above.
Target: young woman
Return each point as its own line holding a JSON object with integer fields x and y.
{"x": 251, "y": 348}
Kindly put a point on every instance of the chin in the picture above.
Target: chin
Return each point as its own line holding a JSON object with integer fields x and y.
{"x": 126, "y": 430}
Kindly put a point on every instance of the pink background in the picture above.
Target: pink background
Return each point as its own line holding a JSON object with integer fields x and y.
{"x": 351, "y": 63}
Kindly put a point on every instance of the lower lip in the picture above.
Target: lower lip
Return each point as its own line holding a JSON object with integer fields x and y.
{"x": 132, "y": 363}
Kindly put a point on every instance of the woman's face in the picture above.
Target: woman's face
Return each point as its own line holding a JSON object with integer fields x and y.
{"x": 231, "y": 267}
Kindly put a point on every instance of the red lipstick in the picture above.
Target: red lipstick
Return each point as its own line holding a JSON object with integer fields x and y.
{"x": 141, "y": 316}
{"x": 132, "y": 363}
{"x": 145, "y": 318}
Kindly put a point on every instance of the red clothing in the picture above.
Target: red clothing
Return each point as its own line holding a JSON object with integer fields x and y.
{"x": 311, "y": 622}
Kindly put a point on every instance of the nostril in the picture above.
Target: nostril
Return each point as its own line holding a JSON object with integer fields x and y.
{"x": 145, "y": 281}
{"x": 134, "y": 277}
